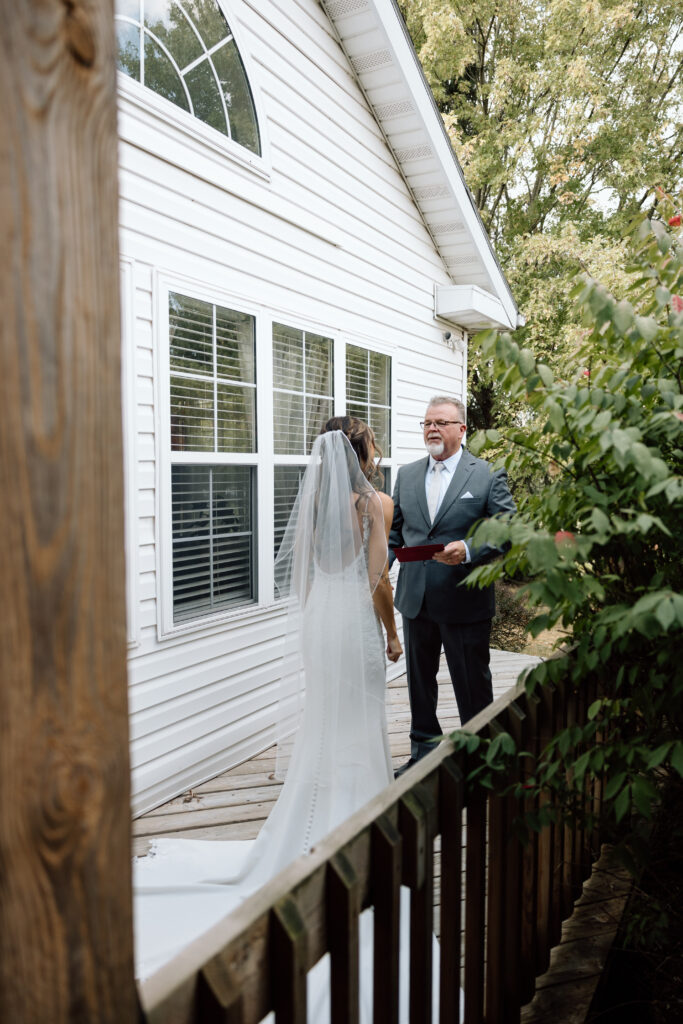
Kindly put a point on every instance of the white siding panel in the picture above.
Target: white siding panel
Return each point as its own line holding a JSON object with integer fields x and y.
{"x": 146, "y": 558}
{"x": 332, "y": 238}
{"x": 169, "y": 774}
{"x": 145, "y": 533}
{"x": 200, "y": 714}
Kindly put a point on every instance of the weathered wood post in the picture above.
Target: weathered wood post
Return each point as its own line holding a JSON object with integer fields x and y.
{"x": 65, "y": 907}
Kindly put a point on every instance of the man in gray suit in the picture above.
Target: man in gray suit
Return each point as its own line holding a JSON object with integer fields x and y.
{"x": 436, "y": 501}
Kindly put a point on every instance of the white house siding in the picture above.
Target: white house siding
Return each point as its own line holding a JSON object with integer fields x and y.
{"x": 361, "y": 267}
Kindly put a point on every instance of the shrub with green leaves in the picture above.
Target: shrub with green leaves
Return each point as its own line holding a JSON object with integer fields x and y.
{"x": 603, "y": 542}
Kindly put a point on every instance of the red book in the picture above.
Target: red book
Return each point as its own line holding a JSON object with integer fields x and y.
{"x": 421, "y": 553}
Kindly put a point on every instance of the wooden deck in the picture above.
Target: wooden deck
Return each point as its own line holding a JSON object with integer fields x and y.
{"x": 235, "y": 804}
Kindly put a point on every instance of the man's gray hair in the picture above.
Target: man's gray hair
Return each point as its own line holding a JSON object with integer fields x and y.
{"x": 447, "y": 400}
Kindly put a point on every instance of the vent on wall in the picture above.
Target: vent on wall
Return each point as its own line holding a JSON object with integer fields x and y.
{"x": 462, "y": 261}
{"x": 431, "y": 192}
{"x": 450, "y": 227}
{"x": 385, "y": 111}
{"x": 343, "y": 8}
{"x": 370, "y": 61}
{"x": 413, "y": 153}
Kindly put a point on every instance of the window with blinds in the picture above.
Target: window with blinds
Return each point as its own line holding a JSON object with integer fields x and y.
{"x": 213, "y": 539}
{"x": 213, "y": 378}
{"x": 368, "y": 391}
{"x": 302, "y": 388}
{"x": 212, "y": 364}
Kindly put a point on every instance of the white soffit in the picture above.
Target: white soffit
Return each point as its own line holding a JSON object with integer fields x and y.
{"x": 468, "y": 306}
{"x": 376, "y": 42}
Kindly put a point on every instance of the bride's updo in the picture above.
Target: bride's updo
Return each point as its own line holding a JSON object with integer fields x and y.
{"x": 362, "y": 439}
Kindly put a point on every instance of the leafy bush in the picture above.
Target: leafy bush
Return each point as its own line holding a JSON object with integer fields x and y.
{"x": 603, "y": 541}
{"x": 512, "y": 618}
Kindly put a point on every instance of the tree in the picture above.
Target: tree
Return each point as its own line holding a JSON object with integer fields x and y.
{"x": 602, "y": 541}
{"x": 564, "y": 114}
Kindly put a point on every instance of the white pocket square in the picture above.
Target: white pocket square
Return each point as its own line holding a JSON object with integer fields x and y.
{"x": 467, "y": 494}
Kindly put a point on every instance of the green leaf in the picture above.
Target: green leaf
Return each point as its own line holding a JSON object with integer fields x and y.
{"x": 647, "y": 327}
{"x": 622, "y": 317}
{"x": 581, "y": 765}
{"x": 614, "y": 785}
{"x": 555, "y": 417}
{"x": 622, "y": 803}
{"x": 677, "y": 757}
{"x": 644, "y": 796}
{"x": 507, "y": 743}
{"x": 545, "y": 373}
{"x": 665, "y": 614}
{"x": 594, "y": 709}
{"x": 600, "y": 521}
{"x": 472, "y": 744}
{"x": 527, "y": 362}
{"x": 658, "y": 755}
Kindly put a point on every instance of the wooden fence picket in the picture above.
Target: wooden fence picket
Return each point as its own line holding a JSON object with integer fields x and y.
{"x": 386, "y": 885}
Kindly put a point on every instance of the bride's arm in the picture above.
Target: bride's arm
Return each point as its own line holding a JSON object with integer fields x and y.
{"x": 383, "y": 597}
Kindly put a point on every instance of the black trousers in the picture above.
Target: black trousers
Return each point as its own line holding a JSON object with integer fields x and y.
{"x": 466, "y": 646}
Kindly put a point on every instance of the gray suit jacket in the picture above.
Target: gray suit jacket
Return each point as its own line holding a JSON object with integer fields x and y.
{"x": 438, "y": 586}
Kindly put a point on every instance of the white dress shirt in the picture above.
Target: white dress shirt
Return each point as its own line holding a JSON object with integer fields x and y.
{"x": 449, "y": 467}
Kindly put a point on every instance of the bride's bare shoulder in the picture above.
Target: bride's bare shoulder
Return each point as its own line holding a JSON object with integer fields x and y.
{"x": 386, "y": 501}
{"x": 387, "y": 508}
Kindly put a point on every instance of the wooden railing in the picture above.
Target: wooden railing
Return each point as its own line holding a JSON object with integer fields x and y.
{"x": 500, "y": 910}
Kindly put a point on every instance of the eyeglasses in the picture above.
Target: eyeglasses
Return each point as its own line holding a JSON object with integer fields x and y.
{"x": 438, "y": 423}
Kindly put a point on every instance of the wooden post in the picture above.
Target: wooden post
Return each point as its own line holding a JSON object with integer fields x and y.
{"x": 65, "y": 899}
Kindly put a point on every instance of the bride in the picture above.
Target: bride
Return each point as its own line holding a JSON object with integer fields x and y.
{"x": 332, "y": 736}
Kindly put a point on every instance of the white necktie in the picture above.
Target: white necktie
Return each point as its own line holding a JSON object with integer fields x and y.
{"x": 434, "y": 489}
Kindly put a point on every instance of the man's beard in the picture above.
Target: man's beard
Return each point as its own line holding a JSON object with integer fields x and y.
{"x": 435, "y": 448}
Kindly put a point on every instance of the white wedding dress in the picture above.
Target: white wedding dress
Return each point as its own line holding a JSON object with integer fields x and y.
{"x": 333, "y": 731}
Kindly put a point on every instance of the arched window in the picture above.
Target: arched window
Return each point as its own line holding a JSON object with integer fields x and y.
{"x": 185, "y": 52}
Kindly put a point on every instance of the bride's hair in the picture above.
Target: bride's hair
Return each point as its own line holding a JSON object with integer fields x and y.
{"x": 362, "y": 439}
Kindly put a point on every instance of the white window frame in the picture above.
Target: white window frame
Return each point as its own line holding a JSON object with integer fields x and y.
{"x": 166, "y": 459}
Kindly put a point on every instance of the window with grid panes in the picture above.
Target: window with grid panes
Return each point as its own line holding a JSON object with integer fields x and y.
{"x": 302, "y": 388}
{"x": 213, "y": 412}
{"x": 184, "y": 51}
{"x": 368, "y": 396}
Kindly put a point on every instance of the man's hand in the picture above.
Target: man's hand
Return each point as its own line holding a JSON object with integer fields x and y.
{"x": 453, "y": 554}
